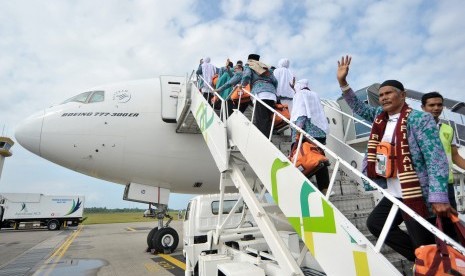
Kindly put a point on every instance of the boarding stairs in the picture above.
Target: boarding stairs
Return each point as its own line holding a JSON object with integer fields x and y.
{"x": 331, "y": 227}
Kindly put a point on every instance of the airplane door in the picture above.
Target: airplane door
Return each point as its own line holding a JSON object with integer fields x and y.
{"x": 170, "y": 89}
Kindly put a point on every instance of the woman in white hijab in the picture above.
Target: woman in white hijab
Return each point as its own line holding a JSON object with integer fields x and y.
{"x": 208, "y": 71}
{"x": 286, "y": 80}
{"x": 308, "y": 114}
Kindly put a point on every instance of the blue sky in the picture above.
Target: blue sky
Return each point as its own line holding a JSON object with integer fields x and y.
{"x": 52, "y": 50}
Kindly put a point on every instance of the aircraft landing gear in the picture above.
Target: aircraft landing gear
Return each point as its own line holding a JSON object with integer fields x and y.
{"x": 163, "y": 239}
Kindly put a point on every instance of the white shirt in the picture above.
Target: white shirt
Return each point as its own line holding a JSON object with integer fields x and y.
{"x": 208, "y": 71}
{"x": 307, "y": 103}
{"x": 298, "y": 106}
{"x": 285, "y": 78}
{"x": 393, "y": 184}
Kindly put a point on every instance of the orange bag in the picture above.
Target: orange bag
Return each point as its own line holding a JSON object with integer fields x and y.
{"x": 440, "y": 258}
{"x": 311, "y": 158}
{"x": 386, "y": 165}
{"x": 283, "y": 109}
{"x": 214, "y": 80}
{"x": 245, "y": 98}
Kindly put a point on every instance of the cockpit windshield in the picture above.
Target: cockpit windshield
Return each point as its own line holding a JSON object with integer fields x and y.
{"x": 87, "y": 97}
{"x": 97, "y": 96}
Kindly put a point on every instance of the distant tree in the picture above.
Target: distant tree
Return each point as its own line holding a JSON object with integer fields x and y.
{"x": 116, "y": 210}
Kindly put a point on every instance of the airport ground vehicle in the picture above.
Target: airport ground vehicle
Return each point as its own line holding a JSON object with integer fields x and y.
{"x": 52, "y": 211}
{"x": 241, "y": 238}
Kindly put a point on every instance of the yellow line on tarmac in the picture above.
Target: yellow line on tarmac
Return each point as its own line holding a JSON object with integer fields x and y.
{"x": 174, "y": 261}
{"x": 59, "y": 248}
{"x": 59, "y": 253}
{"x": 130, "y": 229}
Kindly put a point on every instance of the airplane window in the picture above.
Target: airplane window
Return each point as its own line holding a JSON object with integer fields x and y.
{"x": 81, "y": 98}
{"x": 97, "y": 96}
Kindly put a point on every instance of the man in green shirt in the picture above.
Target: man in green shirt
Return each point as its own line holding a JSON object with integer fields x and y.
{"x": 433, "y": 103}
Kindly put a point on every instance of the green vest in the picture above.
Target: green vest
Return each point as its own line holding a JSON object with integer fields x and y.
{"x": 446, "y": 134}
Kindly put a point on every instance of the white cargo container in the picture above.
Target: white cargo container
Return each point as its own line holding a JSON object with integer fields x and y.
{"x": 50, "y": 211}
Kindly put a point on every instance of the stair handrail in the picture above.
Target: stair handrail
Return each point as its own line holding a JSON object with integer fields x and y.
{"x": 397, "y": 204}
{"x": 223, "y": 109}
{"x": 347, "y": 115}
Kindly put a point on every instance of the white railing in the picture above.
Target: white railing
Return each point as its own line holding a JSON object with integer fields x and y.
{"x": 223, "y": 109}
{"x": 396, "y": 203}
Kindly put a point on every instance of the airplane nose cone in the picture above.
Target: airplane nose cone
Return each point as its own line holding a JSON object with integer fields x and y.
{"x": 28, "y": 133}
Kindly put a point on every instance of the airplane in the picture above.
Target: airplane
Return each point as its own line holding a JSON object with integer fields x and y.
{"x": 124, "y": 134}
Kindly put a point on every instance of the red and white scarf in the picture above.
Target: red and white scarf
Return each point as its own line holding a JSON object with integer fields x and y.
{"x": 410, "y": 184}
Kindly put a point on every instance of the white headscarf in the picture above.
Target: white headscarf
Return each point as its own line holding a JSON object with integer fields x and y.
{"x": 307, "y": 103}
{"x": 284, "y": 77}
{"x": 208, "y": 71}
{"x": 298, "y": 103}
{"x": 284, "y": 62}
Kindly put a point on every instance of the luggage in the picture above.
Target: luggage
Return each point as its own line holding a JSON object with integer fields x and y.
{"x": 236, "y": 94}
{"x": 283, "y": 110}
{"x": 310, "y": 158}
{"x": 440, "y": 258}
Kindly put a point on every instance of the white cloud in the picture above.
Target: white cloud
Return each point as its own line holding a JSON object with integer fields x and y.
{"x": 51, "y": 50}
{"x": 263, "y": 10}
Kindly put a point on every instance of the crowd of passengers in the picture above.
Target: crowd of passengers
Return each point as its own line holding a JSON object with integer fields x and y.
{"x": 271, "y": 85}
{"x": 425, "y": 148}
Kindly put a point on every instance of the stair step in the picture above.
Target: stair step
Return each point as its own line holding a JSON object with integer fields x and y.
{"x": 358, "y": 218}
{"x": 403, "y": 265}
{"x": 344, "y": 188}
{"x": 353, "y": 202}
{"x": 285, "y": 147}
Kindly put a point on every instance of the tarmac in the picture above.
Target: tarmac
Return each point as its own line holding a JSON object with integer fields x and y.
{"x": 99, "y": 249}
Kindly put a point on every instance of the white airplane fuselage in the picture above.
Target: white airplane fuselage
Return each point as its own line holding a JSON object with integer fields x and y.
{"x": 122, "y": 139}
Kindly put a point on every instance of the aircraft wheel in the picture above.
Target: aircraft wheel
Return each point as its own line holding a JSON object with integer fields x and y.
{"x": 165, "y": 240}
{"x": 53, "y": 225}
{"x": 150, "y": 237}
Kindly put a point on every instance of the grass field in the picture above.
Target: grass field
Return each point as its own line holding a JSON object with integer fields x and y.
{"x": 101, "y": 218}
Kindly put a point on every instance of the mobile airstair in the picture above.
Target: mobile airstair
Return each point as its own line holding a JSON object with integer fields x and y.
{"x": 331, "y": 227}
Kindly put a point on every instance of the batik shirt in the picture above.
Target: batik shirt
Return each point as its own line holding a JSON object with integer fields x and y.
{"x": 305, "y": 123}
{"x": 429, "y": 160}
{"x": 262, "y": 86}
{"x": 225, "y": 89}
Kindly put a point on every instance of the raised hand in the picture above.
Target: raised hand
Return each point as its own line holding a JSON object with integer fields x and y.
{"x": 343, "y": 70}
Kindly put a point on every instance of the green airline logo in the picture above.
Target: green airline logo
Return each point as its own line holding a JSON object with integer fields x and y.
{"x": 323, "y": 224}
{"x": 203, "y": 120}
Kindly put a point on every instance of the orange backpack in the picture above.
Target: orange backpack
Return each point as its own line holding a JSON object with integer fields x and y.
{"x": 236, "y": 94}
{"x": 386, "y": 165}
{"x": 440, "y": 258}
{"x": 282, "y": 109}
{"x": 310, "y": 159}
